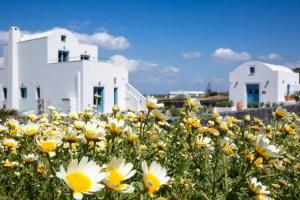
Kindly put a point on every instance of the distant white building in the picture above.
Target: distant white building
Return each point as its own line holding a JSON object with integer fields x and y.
{"x": 53, "y": 68}
{"x": 255, "y": 82}
{"x": 197, "y": 93}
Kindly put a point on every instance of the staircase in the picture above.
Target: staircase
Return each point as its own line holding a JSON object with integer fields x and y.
{"x": 134, "y": 99}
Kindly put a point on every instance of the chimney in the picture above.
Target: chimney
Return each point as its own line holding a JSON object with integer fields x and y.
{"x": 13, "y": 68}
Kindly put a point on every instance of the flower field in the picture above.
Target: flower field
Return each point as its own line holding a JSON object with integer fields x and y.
{"x": 127, "y": 155}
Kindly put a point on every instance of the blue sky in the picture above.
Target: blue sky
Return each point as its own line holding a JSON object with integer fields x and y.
{"x": 171, "y": 45}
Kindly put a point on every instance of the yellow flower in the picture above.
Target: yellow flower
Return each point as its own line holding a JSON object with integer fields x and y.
{"x": 48, "y": 145}
{"x": 73, "y": 115}
{"x": 115, "y": 126}
{"x": 281, "y": 113}
{"x": 119, "y": 171}
{"x": 203, "y": 142}
{"x": 154, "y": 176}
{"x": 288, "y": 129}
{"x": 10, "y": 164}
{"x": 213, "y": 131}
{"x": 151, "y": 103}
{"x": 158, "y": 116}
{"x": 193, "y": 122}
{"x": 29, "y": 158}
{"x": 228, "y": 149}
{"x": 41, "y": 169}
{"x": 115, "y": 108}
{"x": 10, "y": 143}
{"x": 223, "y": 127}
{"x": 83, "y": 177}
{"x": 264, "y": 149}
{"x": 78, "y": 124}
{"x": 31, "y": 129}
{"x": 32, "y": 117}
{"x": 247, "y": 118}
{"x": 192, "y": 103}
{"x": 93, "y": 132}
{"x": 133, "y": 138}
{"x": 257, "y": 188}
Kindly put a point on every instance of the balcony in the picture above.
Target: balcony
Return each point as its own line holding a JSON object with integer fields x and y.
{"x": 73, "y": 59}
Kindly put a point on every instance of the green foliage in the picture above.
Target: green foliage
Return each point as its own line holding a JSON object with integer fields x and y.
{"x": 211, "y": 158}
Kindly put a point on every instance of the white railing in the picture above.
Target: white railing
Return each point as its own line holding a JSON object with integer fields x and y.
{"x": 138, "y": 97}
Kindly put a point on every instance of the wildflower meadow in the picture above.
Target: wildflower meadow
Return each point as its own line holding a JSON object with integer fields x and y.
{"x": 127, "y": 155}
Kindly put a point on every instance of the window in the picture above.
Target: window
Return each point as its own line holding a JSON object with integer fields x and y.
{"x": 84, "y": 57}
{"x": 63, "y": 38}
{"x": 23, "y": 92}
{"x": 288, "y": 89}
{"x": 252, "y": 70}
{"x": 5, "y": 93}
{"x": 63, "y": 56}
{"x": 38, "y": 93}
{"x": 115, "y": 96}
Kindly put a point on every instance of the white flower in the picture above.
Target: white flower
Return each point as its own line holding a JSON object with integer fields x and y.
{"x": 263, "y": 147}
{"x": 31, "y": 129}
{"x": 93, "y": 132}
{"x": 115, "y": 126}
{"x": 257, "y": 187}
{"x": 10, "y": 143}
{"x": 203, "y": 142}
{"x": 151, "y": 103}
{"x": 118, "y": 172}
{"x": 154, "y": 176}
{"x": 78, "y": 124}
{"x": 82, "y": 177}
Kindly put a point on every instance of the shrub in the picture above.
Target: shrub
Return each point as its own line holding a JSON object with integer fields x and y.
{"x": 192, "y": 158}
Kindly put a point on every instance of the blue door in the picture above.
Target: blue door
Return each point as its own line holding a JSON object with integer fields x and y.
{"x": 99, "y": 98}
{"x": 252, "y": 93}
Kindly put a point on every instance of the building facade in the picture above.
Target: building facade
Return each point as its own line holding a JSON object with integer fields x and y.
{"x": 255, "y": 82}
{"x": 53, "y": 68}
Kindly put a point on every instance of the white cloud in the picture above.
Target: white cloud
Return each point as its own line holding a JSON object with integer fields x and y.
{"x": 293, "y": 65}
{"x": 227, "y": 54}
{"x": 104, "y": 40}
{"x": 271, "y": 56}
{"x": 74, "y": 24}
{"x": 169, "y": 70}
{"x": 131, "y": 64}
{"x": 101, "y": 39}
{"x": 191, "y": 54}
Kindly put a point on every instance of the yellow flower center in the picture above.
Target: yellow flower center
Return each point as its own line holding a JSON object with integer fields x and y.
{"x": 79, "y": 182}
{"x": 11, "y": 144}
{"x": 48, "y": 146}
{"x": 31, "y": 131}
{"x": 115, "y": 177}
{"x": 263, "y": 153}
{"x": 151, "y": 182}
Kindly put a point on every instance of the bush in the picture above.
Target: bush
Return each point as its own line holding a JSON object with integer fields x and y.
{"x": 224, "y": 103}
{"x": 192, "y": 158}
{"x": 6, "y": 113}
{"x": 253, "y": 105}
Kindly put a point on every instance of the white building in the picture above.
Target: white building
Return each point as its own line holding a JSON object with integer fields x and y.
{"x": 197, "y": 93}
{"x": 53, "y": 68}
{"x": 255, "y": 82}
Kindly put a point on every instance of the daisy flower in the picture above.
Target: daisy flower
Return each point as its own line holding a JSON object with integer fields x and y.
{"x": 151, "y": 103}
{"x": 257, "y": 188}
{"x": 93, "y": 132}
{"x": 83, "y": 177}
{"x": 264, "y": 149}
{"x": 154, "y": 176}
{"x": 119, "y": 171}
